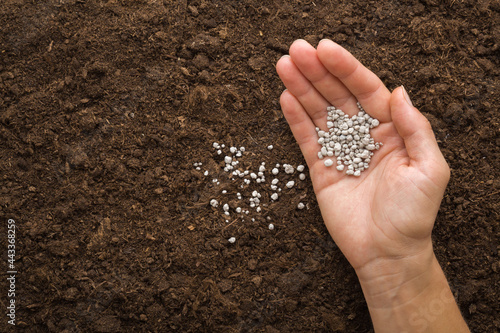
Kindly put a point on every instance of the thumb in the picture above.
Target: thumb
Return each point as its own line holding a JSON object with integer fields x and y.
{"x": 417, "y": 134}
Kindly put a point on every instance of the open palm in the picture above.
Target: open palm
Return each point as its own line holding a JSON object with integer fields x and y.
{"x": 389, "y": 211}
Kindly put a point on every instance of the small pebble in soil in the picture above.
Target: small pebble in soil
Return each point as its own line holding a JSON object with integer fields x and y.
{"x": 231, "y": 240}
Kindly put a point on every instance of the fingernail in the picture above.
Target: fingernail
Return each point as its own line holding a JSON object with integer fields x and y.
{"x": 405, "y": 94}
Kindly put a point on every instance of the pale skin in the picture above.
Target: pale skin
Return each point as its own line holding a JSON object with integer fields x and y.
{"x": 382, "y": 221}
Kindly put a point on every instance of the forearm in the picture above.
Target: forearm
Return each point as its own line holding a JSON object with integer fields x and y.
{"x": 411, "y": 296}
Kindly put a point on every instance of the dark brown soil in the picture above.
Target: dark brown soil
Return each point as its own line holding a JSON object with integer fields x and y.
{"x": 106, "y": 105}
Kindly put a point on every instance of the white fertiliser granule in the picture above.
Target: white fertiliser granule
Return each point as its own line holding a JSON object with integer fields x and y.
{"x": 349, "y": 140}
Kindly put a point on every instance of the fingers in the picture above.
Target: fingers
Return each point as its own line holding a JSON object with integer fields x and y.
{"x": 305, "y": 57}
{"x": 301, "y": 125}
{"x": 360, "y": 81}
{"x": 312, "y": 101}
{"x": 331, "y": 75}
{"x": 418, "y": 137}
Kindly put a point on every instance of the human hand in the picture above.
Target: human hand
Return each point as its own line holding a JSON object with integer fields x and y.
{"x": 382, "y": 221}
{"x": 387, "y": 213}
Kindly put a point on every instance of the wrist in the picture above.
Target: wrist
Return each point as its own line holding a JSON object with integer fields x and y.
{"x": 399, "y": 281}
{"x": 410, "y": 294}
{"x": 396, "y": 281}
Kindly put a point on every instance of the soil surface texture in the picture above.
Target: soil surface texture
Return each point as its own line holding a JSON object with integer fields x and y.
{"x": 106, "y": 106}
